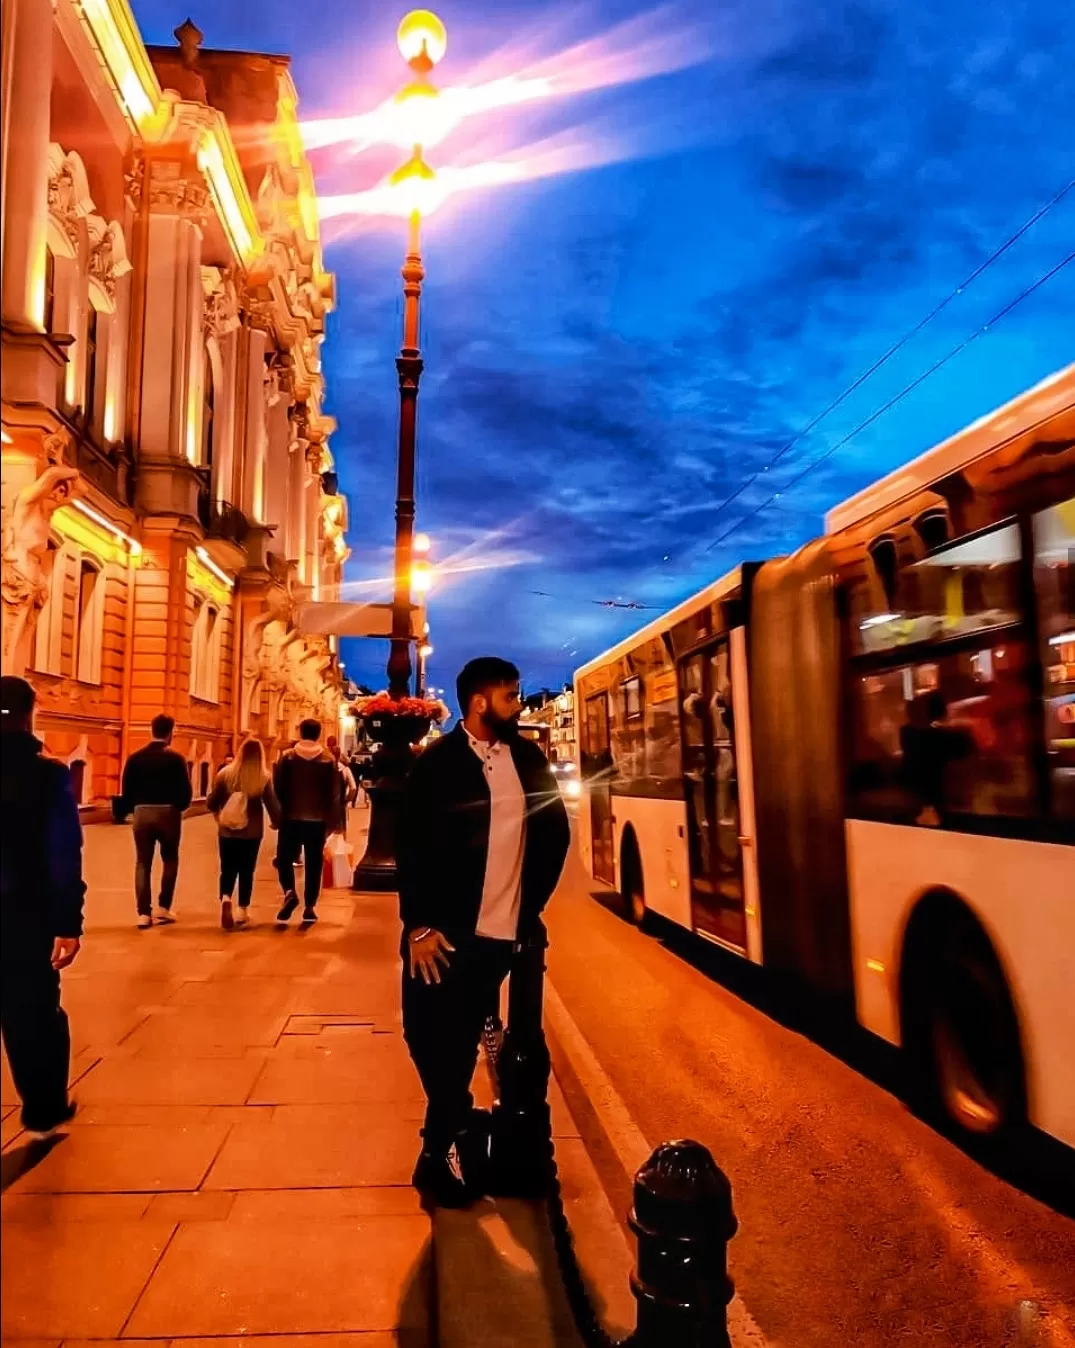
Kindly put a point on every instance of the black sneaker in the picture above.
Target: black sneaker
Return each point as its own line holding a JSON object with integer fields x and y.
{"x": 309, "y": 915}
{"x": 439, "y": 1181}
{"x": 40, "y": 1130}
{"x": 291, "y": 902}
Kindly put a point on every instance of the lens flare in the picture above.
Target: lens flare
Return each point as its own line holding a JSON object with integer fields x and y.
{"x": 658, "y": 43}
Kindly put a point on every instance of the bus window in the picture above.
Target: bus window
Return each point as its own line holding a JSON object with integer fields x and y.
{"x": 966, "y": 587}
{"x": 946, "y": 737}
{"x": 1054, "y": 586}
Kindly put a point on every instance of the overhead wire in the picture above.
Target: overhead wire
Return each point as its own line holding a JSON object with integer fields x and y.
{"x": 896, "y": 398}
{"x": 898, "y": 345}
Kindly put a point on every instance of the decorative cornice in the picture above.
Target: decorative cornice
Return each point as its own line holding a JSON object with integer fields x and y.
{"x": 171, "y": 192}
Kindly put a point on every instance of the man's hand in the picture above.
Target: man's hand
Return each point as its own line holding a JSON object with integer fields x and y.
{"x": 64, "y": 950}
{"x": 428, "y": 954}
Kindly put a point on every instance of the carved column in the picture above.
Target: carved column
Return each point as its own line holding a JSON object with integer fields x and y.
{"x": 26, "y": 96}
{"x": 172, "y": 349}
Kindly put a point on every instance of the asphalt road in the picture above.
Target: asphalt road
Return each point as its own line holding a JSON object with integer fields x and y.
{"x": 859, "y": 1225}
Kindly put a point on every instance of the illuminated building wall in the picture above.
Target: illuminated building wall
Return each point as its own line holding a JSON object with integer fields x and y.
{"x": 164, "y": 302}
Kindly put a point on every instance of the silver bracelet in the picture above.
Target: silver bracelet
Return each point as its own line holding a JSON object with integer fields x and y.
{"x": 421, "y": 934}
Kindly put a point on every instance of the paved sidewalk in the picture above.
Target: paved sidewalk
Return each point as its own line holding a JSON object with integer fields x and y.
{"x": 248, "y": 1123}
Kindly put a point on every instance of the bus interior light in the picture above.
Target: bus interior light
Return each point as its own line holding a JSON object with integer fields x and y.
{"x": 1064, "y": 639}
{"x": 878, "y": 619}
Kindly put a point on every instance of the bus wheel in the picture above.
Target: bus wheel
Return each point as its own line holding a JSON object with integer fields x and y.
{"x": 632, "y": 890}
{"x": 964, "y": 1036}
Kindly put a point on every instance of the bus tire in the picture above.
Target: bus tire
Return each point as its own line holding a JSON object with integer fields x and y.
{"x": 632, "y": 887}
{"x": 961, "y": 1030}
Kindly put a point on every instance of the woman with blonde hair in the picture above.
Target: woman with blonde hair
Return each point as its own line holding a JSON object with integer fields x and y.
{"x": 241, "y": 796}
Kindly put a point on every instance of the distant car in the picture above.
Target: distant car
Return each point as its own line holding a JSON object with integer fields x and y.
{"x": 567, "y": 775}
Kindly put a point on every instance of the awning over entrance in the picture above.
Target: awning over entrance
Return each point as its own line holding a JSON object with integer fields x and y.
{"x": 355, "y": 620}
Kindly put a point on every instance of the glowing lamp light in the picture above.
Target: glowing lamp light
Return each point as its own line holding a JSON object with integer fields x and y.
{"x": 421, "y": 33}
{"x": 425, "y": 651}
{"x": 421, "y": 544}
{"x": 422, "y": 577}
{"x": 415, "y": 188}
{"x": 417, "y": 116}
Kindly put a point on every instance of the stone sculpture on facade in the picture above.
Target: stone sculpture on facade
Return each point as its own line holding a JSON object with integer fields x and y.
{"x": 26, "y": 560}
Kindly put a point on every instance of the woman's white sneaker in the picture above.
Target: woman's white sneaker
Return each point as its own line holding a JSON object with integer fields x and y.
{"x": 145, "y": 920}
{"x": 227, "y": 914}
{"x": 242, "y": 917}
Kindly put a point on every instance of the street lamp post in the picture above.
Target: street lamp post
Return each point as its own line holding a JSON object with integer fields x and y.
{"x": 422, "y": 42}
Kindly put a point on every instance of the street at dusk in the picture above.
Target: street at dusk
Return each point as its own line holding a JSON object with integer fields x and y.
{"x": 538, "y": 675}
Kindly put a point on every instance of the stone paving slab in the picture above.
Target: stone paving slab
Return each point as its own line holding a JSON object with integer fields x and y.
{"x": 289, "y": 1277}
{"x": 125, "y": 1160}
{"x": 327, "y": 1146}
{"x": 76, "y": 1279}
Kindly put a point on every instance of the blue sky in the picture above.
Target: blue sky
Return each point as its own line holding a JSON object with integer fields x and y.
{"x": 612, "y": 353}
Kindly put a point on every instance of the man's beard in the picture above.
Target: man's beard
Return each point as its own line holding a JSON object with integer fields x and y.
{"x": 503, "y": 728}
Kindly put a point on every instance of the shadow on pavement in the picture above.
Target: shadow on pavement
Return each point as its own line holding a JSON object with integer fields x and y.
{"x": 21, "y": 1159}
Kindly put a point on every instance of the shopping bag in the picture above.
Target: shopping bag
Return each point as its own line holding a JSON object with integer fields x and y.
{"x": 337, "y": 872}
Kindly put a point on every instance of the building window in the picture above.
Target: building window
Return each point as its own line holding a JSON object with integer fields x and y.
{"x": 89, "y": 622}
{"x": 205, "y": 652}
{"x": 48, "y": 634}
{"x": 92, "y": 334}
{"x": 78, "y": 780}
{"x": 49, "y": 317}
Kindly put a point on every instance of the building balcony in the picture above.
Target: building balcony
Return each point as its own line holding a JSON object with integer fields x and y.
{"x": 221, "y": 519}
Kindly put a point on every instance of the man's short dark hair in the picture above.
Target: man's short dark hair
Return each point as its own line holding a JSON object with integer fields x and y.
{"x": 17, "y": 699}
{"x": 481, "y": 675}
{"x": 162, "y": 726}
{"x": 310, "y": 729}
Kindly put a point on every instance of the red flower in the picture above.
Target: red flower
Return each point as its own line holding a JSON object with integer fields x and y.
{"x": 383, "y": 705}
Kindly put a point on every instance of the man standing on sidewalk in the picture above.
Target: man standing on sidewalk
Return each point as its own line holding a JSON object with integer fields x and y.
{"x": 42, "y": 891}
{"x": 156, "y": 788}
{"x": 310, "y": 791}
{"x": 483, "y": 840}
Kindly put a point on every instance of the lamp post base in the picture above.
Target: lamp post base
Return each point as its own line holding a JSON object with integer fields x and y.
{"x": 376, "y": 873}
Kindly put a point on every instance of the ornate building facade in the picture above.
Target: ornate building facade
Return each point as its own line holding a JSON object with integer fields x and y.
{"x": 169, "y": 494}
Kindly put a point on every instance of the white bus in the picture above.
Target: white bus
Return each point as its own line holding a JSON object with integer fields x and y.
{"x": 856, "y": 766}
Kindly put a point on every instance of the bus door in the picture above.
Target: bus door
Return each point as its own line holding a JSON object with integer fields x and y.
{"x": 597, "y": 768}
{"x": 711, "y": 783}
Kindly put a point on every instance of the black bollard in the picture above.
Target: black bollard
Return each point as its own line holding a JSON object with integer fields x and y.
{"x": 520, "y": 1128}
{"x": 683, "y": 1220}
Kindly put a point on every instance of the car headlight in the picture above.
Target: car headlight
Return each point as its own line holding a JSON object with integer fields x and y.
{"x": 573, "y": 789}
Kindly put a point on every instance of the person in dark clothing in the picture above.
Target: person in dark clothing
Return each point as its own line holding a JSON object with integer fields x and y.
{"x": 156, "y": 789}
{"x": 482, "y": 841}
{"x": 241, "y": 796}
{"x": 310, "y": 791}
{"x": 42, "y": 895}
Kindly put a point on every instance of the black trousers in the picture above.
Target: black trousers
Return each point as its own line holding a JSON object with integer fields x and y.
{"x": 301, "y": 835}
{"x": 156, "y": 825}
{"x": 442, "y": 1025}
{"x": 34, "y": 1025}
{"x": 238, "y": 861}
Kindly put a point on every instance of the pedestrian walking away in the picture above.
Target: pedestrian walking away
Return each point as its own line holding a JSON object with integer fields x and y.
{"x": 241, "y": 797}
{"x": 42, "y": 896}
{"x": 482, "y": 842}
{"x": 310, "y": 790}
{"x": 156, "y": 790}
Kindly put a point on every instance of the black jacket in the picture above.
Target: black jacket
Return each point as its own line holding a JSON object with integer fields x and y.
{"x": 443, "y": 839}
{"x": 41, "y": 853}
{"x": 310, "y": 790}
{"x": 156, "y": 775}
